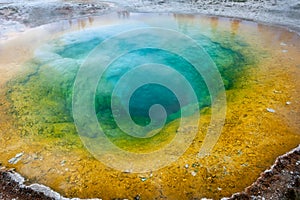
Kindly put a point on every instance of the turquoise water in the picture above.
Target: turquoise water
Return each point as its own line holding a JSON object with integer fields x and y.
{"x": 43, "y": 97}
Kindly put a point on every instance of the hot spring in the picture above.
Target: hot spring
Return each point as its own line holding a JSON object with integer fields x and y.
{"x": 113, "y": 108}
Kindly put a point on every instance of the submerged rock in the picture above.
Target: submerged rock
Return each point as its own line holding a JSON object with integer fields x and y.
{"x": 283, "y": 44}
{"x": 194, "y": 173}
{"x": 270, "y": 110}
{"x": 19, "y": 155}
{"x": 137, "y": 197}
{"x": 15, "y": 159}
{"x": 143, "y": 179}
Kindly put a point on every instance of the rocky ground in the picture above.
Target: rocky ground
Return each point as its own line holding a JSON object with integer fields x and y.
{"x": 10, "y": 189}
{"x": 282, "y": 181}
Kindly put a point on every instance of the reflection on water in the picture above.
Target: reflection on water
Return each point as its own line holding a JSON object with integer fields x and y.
{"x": 235, "y": 24}
{"x": 258, "y": 65}
{"x": 123, "y": 14}
{"x": 82, "y": 23}
{"x": 214, "y": 21}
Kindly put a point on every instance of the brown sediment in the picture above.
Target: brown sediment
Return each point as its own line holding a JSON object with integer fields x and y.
{"x": 251, "y": 140}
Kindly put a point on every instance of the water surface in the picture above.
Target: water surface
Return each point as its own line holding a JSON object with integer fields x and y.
{"x": 259, "y": 66}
